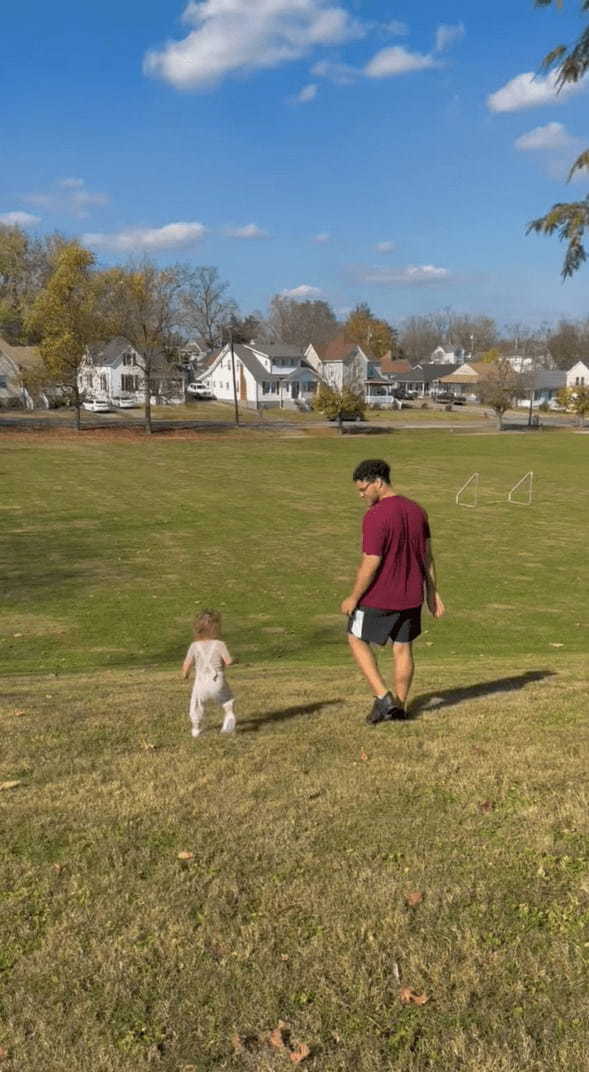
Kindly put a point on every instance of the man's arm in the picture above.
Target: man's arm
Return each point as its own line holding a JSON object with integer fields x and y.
{"x": 432, "y": 596}
{"x": 367, "y": 571}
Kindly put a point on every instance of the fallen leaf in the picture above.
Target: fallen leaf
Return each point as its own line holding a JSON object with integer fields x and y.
{"x": 237, "y": 1044}
{"x": 3, "y": 1053}
{"x": 276, "y": 1038}
{"x": 396, "y": 972}
{"x": 408, "y": 996}
{"x": 300, "y": 1053}
{"x": 147, "y": 747}
{"x": 413, "y": 899}
{"x": 487, "y": 805}
{"x": 284, "y": 956}
{"x": 8, "y": 785}
{"x": 552, "y": 645}
{"x": 185, "y": 855}
{"x": 19, "y": 714}
{"x": 363, "y": 755}
{"x": 17, "y": 634}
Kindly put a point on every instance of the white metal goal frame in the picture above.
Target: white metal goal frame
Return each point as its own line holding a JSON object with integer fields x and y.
{"x": 473, "y": 482}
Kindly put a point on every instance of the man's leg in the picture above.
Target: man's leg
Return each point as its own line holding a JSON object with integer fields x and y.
{"x": 403, "y": 670}
{"x": 365, "y": 660}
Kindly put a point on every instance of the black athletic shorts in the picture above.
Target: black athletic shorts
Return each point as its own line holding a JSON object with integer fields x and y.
{"x": 377, "y": 626}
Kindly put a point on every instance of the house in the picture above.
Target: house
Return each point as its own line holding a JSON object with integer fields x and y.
{"x": 341, "y": 363}
{"x": 424, "y": 379}
{"x": 578, "y": 375}
{"x": 544, "y": 385}
{"x": 464, "y": 380}
{"x": 115, "y": 368}
{"x": 19, "y": 366}
{"x": 454, "y": 356}
{"x": 266, "y": 374}
{"x": 390, "y": 366}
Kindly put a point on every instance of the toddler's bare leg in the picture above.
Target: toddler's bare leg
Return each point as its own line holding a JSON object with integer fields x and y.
{"x": 229, "y": 720}
{"x": 196, "y": 712}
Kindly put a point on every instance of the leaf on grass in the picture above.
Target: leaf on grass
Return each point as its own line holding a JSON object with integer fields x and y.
{"x": 17, "y": 635}
{"x": 408, "y": 996}
{"x": 3, "y": 1053}
{"x": 363, "y": 755}
{"x": 237, "y": 1044}
{"x": 19, "y": 714}
{"x": 396, "y": 972}
{"x": 148, "y": 747}
{"x": 276, "y": 1038}
{"x": 553, "y": 645}
{"x": 414, "y": 898}
{"x": 8, "y": 785}
{"x": 486, "y": 805}
{"x": 185, "y": 855}
{"x": 300, "y": 1053}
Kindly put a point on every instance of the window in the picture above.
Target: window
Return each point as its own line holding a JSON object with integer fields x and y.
{"x": 265, "y": 387}
{"x": 102, "y": 381}
{"x": 2, "y": 381}
{"x": 129, "y": 383}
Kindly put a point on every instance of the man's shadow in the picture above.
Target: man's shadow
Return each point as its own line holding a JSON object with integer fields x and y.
{"x": 435, "y": 701}
{"x": 252, "y": 725}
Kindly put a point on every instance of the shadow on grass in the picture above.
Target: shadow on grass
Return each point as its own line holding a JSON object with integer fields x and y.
{"x": 435, "y": 701}
{"x": 252, "y": 725}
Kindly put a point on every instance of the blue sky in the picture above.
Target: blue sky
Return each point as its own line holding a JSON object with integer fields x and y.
{"x": 345, "y": 149}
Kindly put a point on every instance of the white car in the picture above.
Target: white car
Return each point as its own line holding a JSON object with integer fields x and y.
{"x": 199, "y": 390}
{"x": 125, "y": 403}
{"x": 96, "y": 405}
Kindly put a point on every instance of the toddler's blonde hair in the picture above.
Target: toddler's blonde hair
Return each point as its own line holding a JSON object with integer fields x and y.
{"x": 207, "y": 625}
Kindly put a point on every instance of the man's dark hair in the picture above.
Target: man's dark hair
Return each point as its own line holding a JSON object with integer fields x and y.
{"x": 373, "y": 469}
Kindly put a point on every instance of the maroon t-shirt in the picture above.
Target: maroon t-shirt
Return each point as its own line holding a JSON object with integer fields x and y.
{"x": 396, "y": 528}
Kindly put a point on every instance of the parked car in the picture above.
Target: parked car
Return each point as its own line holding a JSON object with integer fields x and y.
{"x": 125, "y": 403}
{"x": 449, "y": 396}
{"x": 96, "y": 405}
{"x": 348, "y": 415}
{"x": 199, "y": 390}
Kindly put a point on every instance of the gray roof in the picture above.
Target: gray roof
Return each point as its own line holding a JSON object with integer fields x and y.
{"x": 108, "y": 353}
{"x": 253, "y": 365}
{"x": 278, "y": 349}
{"x": 549, "y": 378}
{"x": 424, "y": 373}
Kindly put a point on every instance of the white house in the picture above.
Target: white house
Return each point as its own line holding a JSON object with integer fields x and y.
{"x": 115, "y": 369}
{"x": 266, "y": 374}
{"x": 340, "y": 363}
{"x": 578, "y": 375}
{"x": 454, "y": 356}
{"x": 16, "y": 362}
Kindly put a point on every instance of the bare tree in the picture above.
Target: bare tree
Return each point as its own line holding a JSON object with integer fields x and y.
{"x": 300, "y": 322}
{"x": 145, "y": 305}
{"x": 206, "y": 307}
{"x": 498, "y": 387}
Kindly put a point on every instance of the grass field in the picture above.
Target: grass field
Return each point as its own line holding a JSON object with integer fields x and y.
{"x": 411, "y": 897}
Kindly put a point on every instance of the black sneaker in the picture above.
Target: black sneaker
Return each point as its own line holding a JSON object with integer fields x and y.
{"x": 398, "y": 714}
{"x": 381, "y": 710}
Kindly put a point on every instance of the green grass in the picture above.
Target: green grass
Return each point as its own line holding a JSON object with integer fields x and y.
{"x": 107, "y": 549}
{"x": 308, "y": 830}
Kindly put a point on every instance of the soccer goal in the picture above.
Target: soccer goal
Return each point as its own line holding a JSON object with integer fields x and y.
{"x": 521, "y": 494}
{"x": 525, "y": 488}
{"x": 468, "y": 494}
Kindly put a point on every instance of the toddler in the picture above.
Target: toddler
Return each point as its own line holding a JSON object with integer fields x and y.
{"x": 209, "y": 656}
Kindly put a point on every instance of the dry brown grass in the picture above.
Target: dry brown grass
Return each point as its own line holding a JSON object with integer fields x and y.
{"x": 308, "y": 831}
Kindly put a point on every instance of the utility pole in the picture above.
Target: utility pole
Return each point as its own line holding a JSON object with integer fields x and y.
{"x": 233, "y": 374}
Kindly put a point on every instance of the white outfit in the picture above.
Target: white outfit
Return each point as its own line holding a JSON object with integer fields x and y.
{"x": 209, "y": 658}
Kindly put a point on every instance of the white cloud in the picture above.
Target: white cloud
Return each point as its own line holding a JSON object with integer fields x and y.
{"x": 342, "y": 74}
{"x": 385, "y": 247}
{"x": 306, "y": 94}
{"x": 395, "y": 28}
{"x": 550, "y": 136}
{"x": 148, "y": 239}
{"x": 322, "y": 239}
{"x": 397, "y": 60}
{"x": 19, "y": 219}
{"x": 229, "y": 36}
{"x": 303, "y": 292}
{"x": 71, "y": 196}
{"x": 248, "y": 231}
{"x": 446, "y": 36}
{"x": 528, "y": 91}
{"x": 413, "y": 275}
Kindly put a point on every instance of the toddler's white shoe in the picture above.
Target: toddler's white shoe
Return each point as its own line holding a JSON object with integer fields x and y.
{"x": 228, "y": 724}
{"x": 196, "y": 731}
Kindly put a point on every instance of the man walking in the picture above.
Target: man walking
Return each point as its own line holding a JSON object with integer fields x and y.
{"x": 396, "y": 570}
